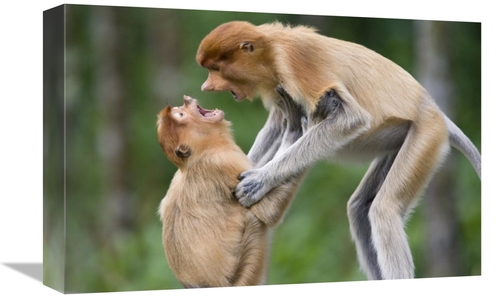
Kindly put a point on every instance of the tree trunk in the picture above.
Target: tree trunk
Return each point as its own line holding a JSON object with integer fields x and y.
{"x": 110, "y": 89}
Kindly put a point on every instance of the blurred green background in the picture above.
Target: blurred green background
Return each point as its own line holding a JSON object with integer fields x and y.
{"x": 122, "y": 65}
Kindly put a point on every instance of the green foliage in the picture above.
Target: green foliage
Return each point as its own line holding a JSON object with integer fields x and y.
{"x": 155, "y": 64}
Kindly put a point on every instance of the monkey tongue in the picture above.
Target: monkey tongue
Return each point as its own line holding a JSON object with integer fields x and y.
{"x": 207, "y": 113}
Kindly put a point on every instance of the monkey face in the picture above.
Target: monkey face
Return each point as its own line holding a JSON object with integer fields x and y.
{"x": 182, "y": 128}
{"x": 230, "y": 76}
{"x": 237, "y": 58}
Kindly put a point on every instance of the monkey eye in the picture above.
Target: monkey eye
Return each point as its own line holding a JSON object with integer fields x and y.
{"x": 178, "y": 115}
{"x": 214, "y": 68}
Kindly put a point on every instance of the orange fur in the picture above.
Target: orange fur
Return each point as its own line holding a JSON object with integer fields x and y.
{"x": 306, "y": 64}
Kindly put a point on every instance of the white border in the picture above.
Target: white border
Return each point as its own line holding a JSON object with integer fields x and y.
{"x": 21, "y": 143}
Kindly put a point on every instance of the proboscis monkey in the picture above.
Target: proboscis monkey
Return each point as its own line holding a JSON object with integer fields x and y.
{"x": 358, "y": 105}
{"x": 210, "y": 239}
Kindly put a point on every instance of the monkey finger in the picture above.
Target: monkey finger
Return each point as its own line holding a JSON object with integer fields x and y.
{"x": 247, "y": 192}
{"x": 246, "y": 174}
{"x": 247, "y": 201}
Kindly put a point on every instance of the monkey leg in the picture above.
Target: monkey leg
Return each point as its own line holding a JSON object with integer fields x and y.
{"x": 253, "y": 263}
{"x": 421, "y": 152}
{"x": 357, "y": 210}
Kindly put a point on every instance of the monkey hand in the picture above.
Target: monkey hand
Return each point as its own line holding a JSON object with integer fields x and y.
{"x": 252, "y": 187}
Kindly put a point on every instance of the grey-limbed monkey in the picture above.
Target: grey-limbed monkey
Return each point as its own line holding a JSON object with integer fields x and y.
{"x": 358, "y": 105}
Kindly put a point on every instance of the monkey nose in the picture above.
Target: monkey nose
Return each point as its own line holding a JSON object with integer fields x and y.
{"x": 207, "y": 86}
{"x": 188, "y": 100}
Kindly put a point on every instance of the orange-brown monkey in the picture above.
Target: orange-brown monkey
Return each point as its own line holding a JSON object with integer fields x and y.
{"x": 211, "y": 240}
{"x": 356, "y": 105}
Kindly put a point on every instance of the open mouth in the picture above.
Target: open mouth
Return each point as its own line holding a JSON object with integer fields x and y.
{"x": 207, "y": 113}
{"x": 237, "y": 96}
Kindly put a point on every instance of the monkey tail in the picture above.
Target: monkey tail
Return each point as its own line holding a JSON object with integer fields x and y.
{"x": 460, "y": 141}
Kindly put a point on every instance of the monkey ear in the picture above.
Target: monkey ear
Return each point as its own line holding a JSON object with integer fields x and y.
{"x": 246, "y": 47}
{"x": 183, "y": 151}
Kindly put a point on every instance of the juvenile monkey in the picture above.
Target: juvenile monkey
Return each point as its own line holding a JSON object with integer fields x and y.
{"x": 358, "y": 105}
{"x": 210, "y": 240}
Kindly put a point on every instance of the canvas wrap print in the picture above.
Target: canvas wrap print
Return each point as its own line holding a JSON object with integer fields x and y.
{"x": 109, "y": 72}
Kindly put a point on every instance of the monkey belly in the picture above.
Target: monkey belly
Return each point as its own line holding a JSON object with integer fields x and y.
{"x": 203, "y": 251}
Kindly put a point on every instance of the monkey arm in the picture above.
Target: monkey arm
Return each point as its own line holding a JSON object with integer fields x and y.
{"x": 284, "y": 126}
{"x": 272, "y": 208}
{"x": 338, "y": 120}
{"x": 293, "y": 115}
{"x": 268, "y": 139}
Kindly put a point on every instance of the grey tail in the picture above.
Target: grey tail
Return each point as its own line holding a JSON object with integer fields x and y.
{"x": 460, "y": 141}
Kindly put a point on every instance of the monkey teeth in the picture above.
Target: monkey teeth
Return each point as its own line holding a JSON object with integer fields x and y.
{"x": 211, "y": 113}
{"x": 207, "y": 113}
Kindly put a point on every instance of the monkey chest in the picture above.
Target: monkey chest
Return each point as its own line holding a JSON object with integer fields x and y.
{"x": 200, "y": 244}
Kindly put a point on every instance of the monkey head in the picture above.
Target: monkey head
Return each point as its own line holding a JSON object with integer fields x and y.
{"x": 184, "y": 130}
{"x": 238, "y": 60}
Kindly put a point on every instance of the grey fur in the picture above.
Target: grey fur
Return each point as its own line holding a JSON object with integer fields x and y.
{"x": 268, "y": 139}
{"x": 321, "y": 140}
{"x": 461, "y": 142}
{"x": 284, "y": 126}
{"x": 357, "y": 209}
